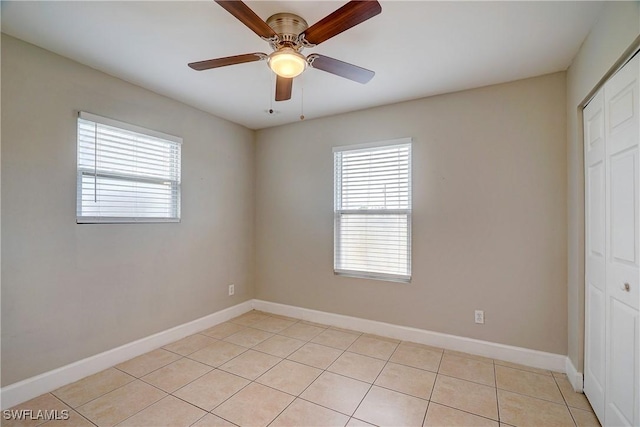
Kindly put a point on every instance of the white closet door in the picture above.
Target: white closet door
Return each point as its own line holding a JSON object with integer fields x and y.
{"x": 622, "y": 133}
{"x": 595, "y": 278}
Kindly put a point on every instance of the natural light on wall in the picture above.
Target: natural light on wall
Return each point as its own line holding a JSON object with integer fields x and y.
{"x": 126, "y": 173}
{"x": 372, "y": 210}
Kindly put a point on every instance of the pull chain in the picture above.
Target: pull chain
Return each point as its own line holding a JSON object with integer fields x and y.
{"x": 301, "y": 98}
{"x": 271, "y": 91}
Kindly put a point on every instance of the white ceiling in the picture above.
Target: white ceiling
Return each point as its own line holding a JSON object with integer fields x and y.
{"x": 416, "y": 48}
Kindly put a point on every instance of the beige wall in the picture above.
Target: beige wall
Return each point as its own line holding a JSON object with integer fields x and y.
{"x": 489, "y": 214}
{"x": 615, "y": 30}
{"x": 70, "y": 291}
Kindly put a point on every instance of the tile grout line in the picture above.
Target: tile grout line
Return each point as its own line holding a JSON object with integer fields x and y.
{"x": 221, "y": 403}
{"x": 148, "y": 406}
{"x": 424, "y": 419}
{"x": 97, "y": 397}
{"x": 213, "y": 369}
{"x": 534, "y": 397}
{"x": 573, "y": 406}
{"x": 199, "y": 419}
{"x": 374, "y": 381}
{"x": 250, "y": 381}
{"x": 473, "y": 382}
{"x": 525, "y": 370}
{"x": 357, "y": 379}
{"x": 323, "y": 371}
{"x": 281, "y": 391}
{"x": 565, "y": 402}
{"x": 195, "y": 379}
{"x": 164, "y": 397}
{"x": 285, "y": 408}
{"x": 192, "y": 404}
{"x": 470, "y": 413}
{"x": 154, "y": 370}
{"x": 73, "y": 409}
{"x": 495, "y": 380}
{"x": 331, "y": 364}
{"x": 294, "y": 397}
{"x": 248, "y": 384}
{"x": 298, "y": 396}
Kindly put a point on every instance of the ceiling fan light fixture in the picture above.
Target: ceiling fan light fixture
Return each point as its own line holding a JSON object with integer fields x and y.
{"x": 287, "y": 63}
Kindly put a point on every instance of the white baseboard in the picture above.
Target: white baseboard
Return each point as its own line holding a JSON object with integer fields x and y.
{"x": 523, "y": 356}
{"x": 22, "y": 391}
{"x": 575, "y": 378}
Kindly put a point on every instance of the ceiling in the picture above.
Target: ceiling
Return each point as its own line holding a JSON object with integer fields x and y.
{"x": 416, "y": 48}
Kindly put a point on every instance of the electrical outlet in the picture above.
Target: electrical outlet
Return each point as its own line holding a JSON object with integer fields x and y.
{"x": 232, "y": 290}
{"x": 479, "y": 316}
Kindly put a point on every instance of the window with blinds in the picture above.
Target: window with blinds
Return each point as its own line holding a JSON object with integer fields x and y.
{"x": 372, "y": 210}
{"x": 126, "y": 173}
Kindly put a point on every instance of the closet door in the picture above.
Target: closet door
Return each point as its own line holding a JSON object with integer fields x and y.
{"x": 622, "y": 133}
{"x": 595, "y": 278}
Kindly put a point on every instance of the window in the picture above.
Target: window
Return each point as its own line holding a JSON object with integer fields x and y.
{"x": 126, "y": 173}
{"x": 372, "y": 210}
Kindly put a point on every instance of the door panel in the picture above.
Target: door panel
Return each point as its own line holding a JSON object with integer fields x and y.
{"x": 623, "y": 348}
{"x": 624, "y": 222}
{"x": 596, "y": 348}
{"x": 621, "y": 107}
{"x": 595, "y": 211}
{"x": 595, "y": 244}
{"x": 622, "y": 133}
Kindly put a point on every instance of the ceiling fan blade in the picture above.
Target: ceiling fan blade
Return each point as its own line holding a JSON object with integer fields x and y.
{"x": 248, "y": 17}
{"x": 229, "y": 60}
{"x": 283, "y": 88}
{"x": 340, "y": 68}
{"x": 349, "y": 15}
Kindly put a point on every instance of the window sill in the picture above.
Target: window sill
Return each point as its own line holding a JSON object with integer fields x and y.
{"x": 373, "y": 276}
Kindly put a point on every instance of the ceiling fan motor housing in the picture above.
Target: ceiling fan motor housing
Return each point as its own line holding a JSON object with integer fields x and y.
{"x": 288, "y": 26}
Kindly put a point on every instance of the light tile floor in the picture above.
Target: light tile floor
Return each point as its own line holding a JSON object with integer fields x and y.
{"x": 260, "y": 369}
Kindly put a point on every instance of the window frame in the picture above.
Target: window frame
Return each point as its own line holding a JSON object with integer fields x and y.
{"x": 339, "y": 212}
{"x": 94, "y": 172}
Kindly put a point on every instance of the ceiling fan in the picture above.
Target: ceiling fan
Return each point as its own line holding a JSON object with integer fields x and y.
{"x": 289, "y": 34}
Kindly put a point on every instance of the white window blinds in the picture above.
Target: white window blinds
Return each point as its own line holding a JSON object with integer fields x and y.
{"x": 372, "y": 213}
{"x": 126, "y": 173}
